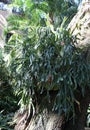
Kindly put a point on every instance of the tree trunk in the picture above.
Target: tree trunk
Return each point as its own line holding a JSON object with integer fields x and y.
{"x": 41, "y": 121}
{"x": 52, "y": 121}
{"x": 79, "y": 123}
{"x": 81, "y": 111}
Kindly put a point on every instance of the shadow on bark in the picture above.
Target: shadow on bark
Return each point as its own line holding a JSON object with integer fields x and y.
{"x": 47, "y": 120}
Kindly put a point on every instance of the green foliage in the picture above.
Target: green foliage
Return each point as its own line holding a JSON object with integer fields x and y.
{"x": 36, "y": 10}
{"x": 7, "y": 97}
{"x": 5, "y": 121}
{"x": 41, "y": 57}
{"x": 8, "y": 101}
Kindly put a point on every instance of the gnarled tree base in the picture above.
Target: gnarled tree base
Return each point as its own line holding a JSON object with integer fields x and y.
{"x": 52, "y": 121}
{"x": 41, "y": 121}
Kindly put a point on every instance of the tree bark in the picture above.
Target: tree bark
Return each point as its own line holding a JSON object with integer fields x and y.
{"x": 80, "y": 118}
{"x": 42, "y": 121}
{"x": 51, "y": 121}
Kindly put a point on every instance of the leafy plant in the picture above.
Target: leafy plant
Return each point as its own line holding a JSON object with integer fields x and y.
{"x": 46, "y": 60}
{"x": 42, "y": 58}
{"x": 8, "y": 100}
{"x": 5, "y": 120}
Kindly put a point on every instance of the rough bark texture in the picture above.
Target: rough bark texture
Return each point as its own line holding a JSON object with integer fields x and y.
{"x": 42, "y": 121}
{"x": 80, "y": 26}
{"x": 46, "y": 121}
{"x": 52, "y": 121}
